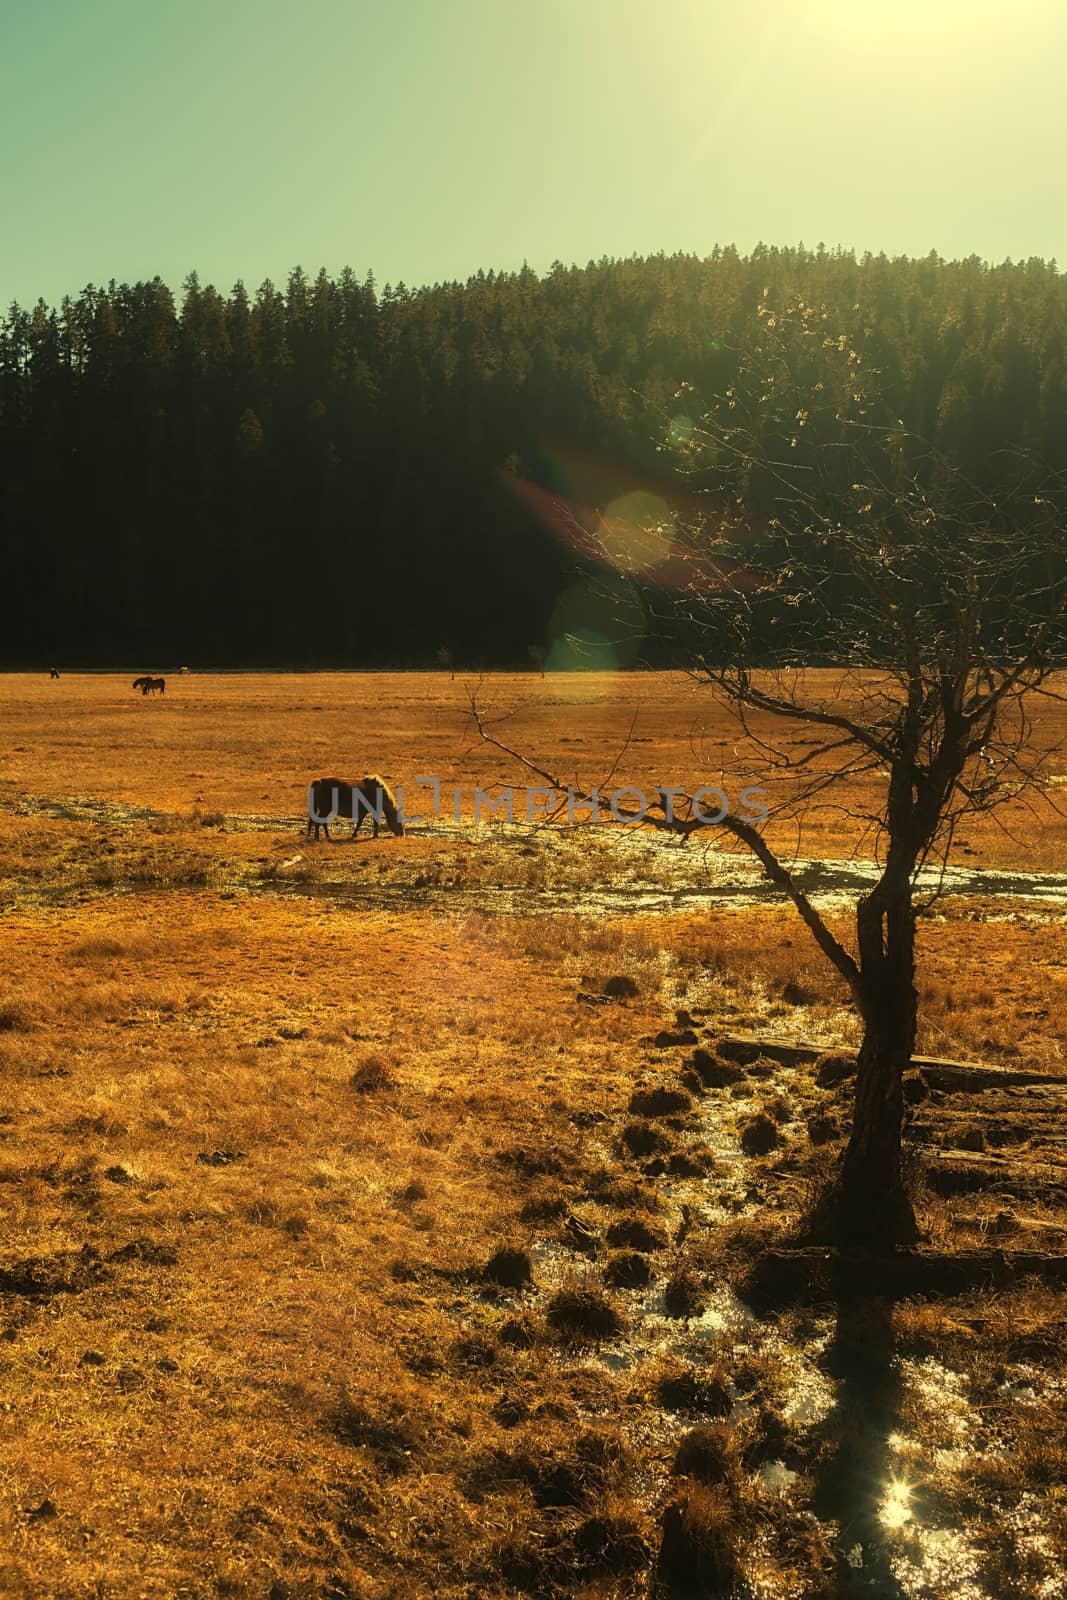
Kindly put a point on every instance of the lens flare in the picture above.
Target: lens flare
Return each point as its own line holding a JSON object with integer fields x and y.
{"x": 637, "y": 531}
{"x": 614, "y": 517}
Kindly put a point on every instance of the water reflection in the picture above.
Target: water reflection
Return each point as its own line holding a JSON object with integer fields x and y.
{"x": 895, "y": 1509}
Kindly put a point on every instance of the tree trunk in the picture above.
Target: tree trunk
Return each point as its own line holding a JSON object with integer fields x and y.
{"x": 872, "y": 1207}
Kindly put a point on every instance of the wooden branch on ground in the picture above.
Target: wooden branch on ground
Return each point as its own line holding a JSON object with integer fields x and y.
{"x": 953, "y": 1172}
{"x": 817, "y": 1274}
{"x": 969, "y": 1076}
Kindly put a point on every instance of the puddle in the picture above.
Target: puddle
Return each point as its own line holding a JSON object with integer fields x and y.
{"x": 621, "y": 1358}
{"x": 724, "y": 1314}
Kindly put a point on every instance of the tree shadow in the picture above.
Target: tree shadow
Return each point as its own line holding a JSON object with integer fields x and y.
{"x": 853, "y": 1469}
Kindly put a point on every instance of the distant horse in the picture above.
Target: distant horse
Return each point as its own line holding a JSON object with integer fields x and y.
{"x": 372, "y": 796}
{"x": 142, "y": 684}
{"x": 53, "y": 672}
{"x": 150, "y": 685}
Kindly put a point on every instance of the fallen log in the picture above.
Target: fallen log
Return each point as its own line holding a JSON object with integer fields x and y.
{"x": 951, "y": 1172}
{"x": 1011, "y": 1219}
{"x": 969, "y": 1076}
{"x": 973, "y": 1077}
{"x": 818, "y": 1274}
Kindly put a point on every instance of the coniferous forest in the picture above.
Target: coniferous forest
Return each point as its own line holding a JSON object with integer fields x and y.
{"x": 328, "y": 474}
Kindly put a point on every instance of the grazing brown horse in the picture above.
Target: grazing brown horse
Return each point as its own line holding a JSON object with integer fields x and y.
{"x": 332, "y": 797}
{"x": 149, "y": 685}
{"x": 53, "y": 672}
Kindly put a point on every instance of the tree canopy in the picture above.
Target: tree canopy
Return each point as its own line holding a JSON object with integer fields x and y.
{"x": 328, "y": 474}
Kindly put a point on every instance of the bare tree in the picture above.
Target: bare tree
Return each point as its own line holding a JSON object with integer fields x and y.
{"x": 834, "y": 538}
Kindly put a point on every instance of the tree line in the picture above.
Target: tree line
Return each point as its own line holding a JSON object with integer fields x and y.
{"x": 329, "y": 474}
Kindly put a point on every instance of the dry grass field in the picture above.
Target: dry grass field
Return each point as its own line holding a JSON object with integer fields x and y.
{"x": 363, "y": 1238}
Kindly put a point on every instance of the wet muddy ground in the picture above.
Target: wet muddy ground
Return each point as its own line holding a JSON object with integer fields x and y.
{"x": 502, "y": 869}
{"x": 840, "y": 1421}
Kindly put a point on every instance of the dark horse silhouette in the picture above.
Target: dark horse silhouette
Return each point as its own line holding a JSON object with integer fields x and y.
{"x": 148, "y": 685}
{"x": 53, "y": 672}
{"x": 371, "y": 796}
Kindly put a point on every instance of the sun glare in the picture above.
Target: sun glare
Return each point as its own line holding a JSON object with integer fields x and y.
{"x": 913, "y": 23}
{"x": 895, "y": 1510}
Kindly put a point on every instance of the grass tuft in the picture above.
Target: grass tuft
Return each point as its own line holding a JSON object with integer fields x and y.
{"x": 659, "y": 1102}
{"x": 643, "y": 1139}
{"x": 699, "y": 1555}
{"x": 703, "y": 1390}
{"x": 372, "y": 1076}
{"x": 579, "y": 1312}
{"x": 760, "y": 1135}
{"x": 510, "y": 1267}
{"x": 709, "y": 1454}
{"x": 627, "y": 1269}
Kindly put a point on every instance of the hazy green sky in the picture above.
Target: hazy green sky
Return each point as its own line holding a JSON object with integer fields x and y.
{"x": 428, "y": 138}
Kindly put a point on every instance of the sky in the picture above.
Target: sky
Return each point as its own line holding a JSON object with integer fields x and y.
{"x": 425, "y": 139}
